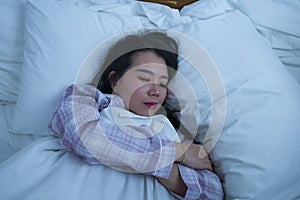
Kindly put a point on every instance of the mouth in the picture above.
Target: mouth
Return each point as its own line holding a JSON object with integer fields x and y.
{"x": 151, "y": 104}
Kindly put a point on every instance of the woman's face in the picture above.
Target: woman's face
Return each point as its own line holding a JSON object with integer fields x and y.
{"x": 144, "y": 86}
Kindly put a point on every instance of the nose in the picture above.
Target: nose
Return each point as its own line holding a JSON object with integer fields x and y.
{"x": 154, "y": 90}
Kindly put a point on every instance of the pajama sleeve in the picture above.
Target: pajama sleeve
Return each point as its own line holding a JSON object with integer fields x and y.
{"x": 201, "y": 184}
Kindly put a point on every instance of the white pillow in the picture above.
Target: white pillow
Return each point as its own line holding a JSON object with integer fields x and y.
{"x": 278, "y": 22}
{"x": 59, "y": 35}
{"x": 11, "y": 48}
{"x": 12, "y": 30}
{"x": 256, "y": 154}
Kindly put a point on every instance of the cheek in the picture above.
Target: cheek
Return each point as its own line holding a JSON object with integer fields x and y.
{"x": 132, "y": 95}
{"x": 164, "y": 93}
{"x": 138, "y": 94}
{"x": 126, "y": 89}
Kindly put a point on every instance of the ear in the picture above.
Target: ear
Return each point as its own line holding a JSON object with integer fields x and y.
{"x": 113, "y": 79}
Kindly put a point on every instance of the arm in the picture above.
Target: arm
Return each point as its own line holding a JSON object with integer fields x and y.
{"x": 188, "y": 183}
{"x": 81, "y": 129}
{"x": 201, "y": 184}
{"x": 174, "y": 182}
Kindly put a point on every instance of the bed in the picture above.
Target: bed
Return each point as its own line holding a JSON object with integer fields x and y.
{"x": 239, "y": 64}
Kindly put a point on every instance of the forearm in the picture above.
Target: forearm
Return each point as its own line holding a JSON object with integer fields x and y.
{"x": 174, "y": 183}
{"x": 201, "y": 184}
{"x": 187, "y": 183}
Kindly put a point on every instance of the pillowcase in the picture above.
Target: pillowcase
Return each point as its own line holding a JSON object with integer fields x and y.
{"x": 59, "y": 35}
{"x": 11, "y": 48}
{"x": 255, "y": 155}
{"x": 12, "y": 30}
{"x": 278, "y": 22}
{"x": 278, "y": 25}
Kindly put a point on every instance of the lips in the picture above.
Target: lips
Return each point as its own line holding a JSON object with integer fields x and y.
{"x": 151, "y": 104}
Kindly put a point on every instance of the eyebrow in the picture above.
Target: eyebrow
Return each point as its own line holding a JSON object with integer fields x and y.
{"x": 151, "y": 73}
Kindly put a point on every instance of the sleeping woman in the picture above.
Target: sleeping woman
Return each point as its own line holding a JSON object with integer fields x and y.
{"x": 124, "y": 122}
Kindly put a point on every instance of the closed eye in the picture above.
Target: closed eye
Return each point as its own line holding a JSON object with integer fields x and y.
{"x": 144, "y": 79}
{"x": 163, "y": 85}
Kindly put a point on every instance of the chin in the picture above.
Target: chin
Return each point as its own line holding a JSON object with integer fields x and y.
{"x": 147, "y": 114}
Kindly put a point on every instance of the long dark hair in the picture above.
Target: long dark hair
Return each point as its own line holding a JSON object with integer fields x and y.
{"x": 120, "y": 58}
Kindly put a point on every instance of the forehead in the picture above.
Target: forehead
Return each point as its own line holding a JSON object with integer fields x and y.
{"x": 149, "y": 61}
{"x": 146, "y": 57}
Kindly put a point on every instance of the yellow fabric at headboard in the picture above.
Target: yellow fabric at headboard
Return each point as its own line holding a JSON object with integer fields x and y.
{"x": 172, "y": 3}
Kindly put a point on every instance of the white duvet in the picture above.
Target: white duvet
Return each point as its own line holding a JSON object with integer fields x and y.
{"x": 44, "y": 170}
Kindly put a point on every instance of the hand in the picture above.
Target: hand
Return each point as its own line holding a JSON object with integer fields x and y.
{"x": 194, "y": 157}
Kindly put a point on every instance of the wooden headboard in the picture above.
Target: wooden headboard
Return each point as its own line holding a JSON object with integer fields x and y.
{"x": 172, "y": 3}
